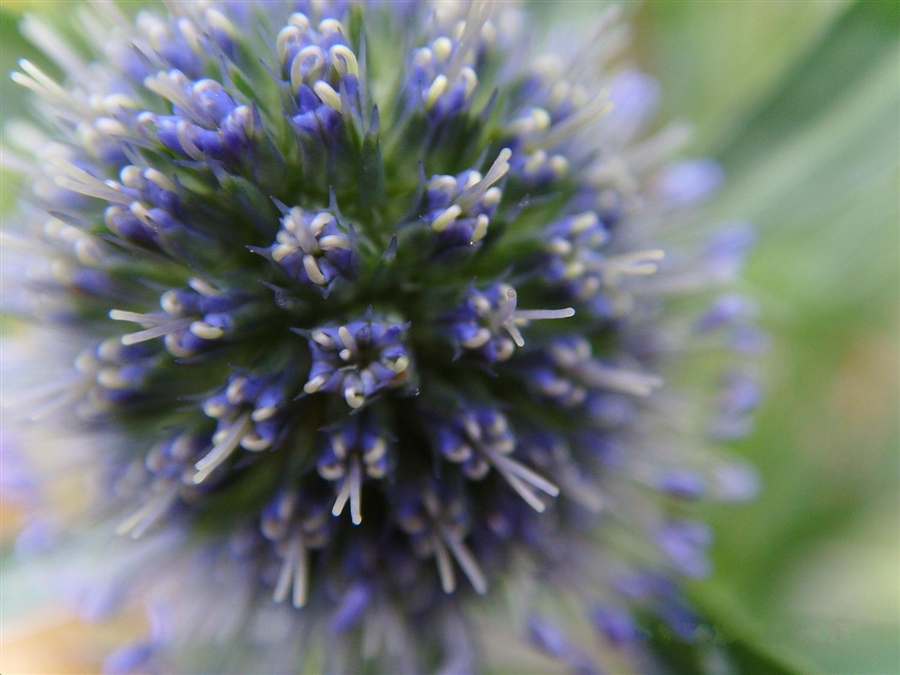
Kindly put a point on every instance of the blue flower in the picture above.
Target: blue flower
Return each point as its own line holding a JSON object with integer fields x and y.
{"x": 382, "y": 318}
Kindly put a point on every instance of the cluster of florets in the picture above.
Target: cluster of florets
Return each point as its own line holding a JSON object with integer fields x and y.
{"x": 368, "y": 304}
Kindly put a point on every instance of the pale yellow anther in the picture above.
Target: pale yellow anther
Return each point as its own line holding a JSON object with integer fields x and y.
{"x": 109, "y": 378}
{"x": 205, "y": 331}
{"x": 333, "y": 241}
{"x": 447, "y": 216}
{"x": 216, "y": 19}
{"x": 535, "y": 162}
{"x": 331, "y": 26}
{"x": 322, "y": 338}
{"x": 328, "y": 95}
{"x": 480, "y": 229}
{"x": 435, "y": 91}
{"x": 190, "y": 34}
{"x": 315, "y": 384}
{"x": 442, "y": 48}
{"x": 423, "y": 57}
{"x": 492, "y": 197}
{"x": 480, "y": 338}
{"x": 584, "y": 221}
{"x": 561, "y": 247}
{"x": 286, "y": 36}
{"x": 319, "y": 222}
{"x": 470, "y": 80}
{"x": 312, "y": 60}
{"x": 473, "y": 179}
{"x": 347, "y": 338}
{"x": 160, "y": 179}
{"x": 344, "y": 60}
{"x": 399, "y": 365}
{"x": 355, "y": 399}
{"x": 182, "y": 131}
{"x": 559, "y": 165}
{"x": 300, "y": 21}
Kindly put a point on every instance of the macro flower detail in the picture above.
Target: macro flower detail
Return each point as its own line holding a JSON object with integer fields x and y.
{"x": 376, "y": 317}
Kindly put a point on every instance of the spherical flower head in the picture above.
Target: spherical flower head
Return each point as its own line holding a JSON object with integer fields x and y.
{"x": 377, "y": 315}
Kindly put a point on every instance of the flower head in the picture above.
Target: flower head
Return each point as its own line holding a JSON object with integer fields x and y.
{"x": 380, "y": 316}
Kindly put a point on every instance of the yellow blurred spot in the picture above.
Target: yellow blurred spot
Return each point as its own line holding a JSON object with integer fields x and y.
{"x": 56, "y": 641}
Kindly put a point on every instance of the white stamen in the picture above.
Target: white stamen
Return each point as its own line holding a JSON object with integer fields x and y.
{"x": 466, "y": 561}
{"x": 444, "y": 565}
{"x": 294, "y": 572}
{"x": 498, "y": 170}
{"x": 79, "y": 180}
{"x": 524, "y": 315}
{"x": 223, "y": 449}
{"x": 479, "y": 11}
{"x": 587, "y": 114}
{"x": 350, "y": 490}
{"x": 149, "y": 513}
{"x": 625, "y": 381}
{"x": 639, "y": 263}
{"x": 44, "y": 86}
{"x": 51, "y": 43}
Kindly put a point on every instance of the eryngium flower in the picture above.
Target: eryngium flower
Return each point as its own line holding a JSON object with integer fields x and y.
{"x": 382, "y": 314}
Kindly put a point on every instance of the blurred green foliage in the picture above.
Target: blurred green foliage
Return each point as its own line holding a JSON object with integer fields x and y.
{"x": 801, "y": 104}
{"x": 800, "y": 101}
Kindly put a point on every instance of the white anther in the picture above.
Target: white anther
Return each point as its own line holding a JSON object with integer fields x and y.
{"x": 334, "y": 241}
{"x": 398, "y": 365}
{"x": 160, "y": 180}
{"x": 205, "y": 331}
{"x": 376, "y": 452}
{"x": 322, "y": 338}
{"x": 355, "y": 398}
{"x": 315, "y": 384}
{"x": 347, "y": 338}
{"x": 319, "y": 222}
{"x": 312, "y": 270}
{"x": 262, "y": 414}
{"x": 254, "y": 442}
{"x": 481, "y": 338}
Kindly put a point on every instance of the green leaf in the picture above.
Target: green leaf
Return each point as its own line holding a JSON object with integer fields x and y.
{"x": 854, "y": 44}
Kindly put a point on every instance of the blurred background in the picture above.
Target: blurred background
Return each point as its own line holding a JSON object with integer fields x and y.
{"x": 800, "y": 102}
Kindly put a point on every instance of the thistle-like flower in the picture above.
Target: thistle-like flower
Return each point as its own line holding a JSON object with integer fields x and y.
{"x": 376, "y": 314}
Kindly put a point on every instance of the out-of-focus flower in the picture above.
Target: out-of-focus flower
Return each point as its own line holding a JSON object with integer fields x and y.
{"x": 375, "y": 314}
